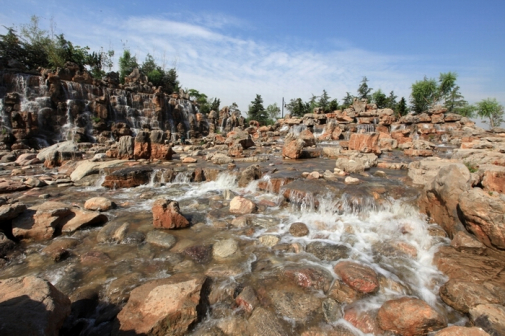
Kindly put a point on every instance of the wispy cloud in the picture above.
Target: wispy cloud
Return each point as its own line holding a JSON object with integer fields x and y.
{"x": 222, "y": 64}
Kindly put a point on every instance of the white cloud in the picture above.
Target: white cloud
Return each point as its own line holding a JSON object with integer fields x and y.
{"x": 212, "y": 57}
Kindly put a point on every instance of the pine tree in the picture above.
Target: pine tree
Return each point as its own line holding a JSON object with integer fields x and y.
{"x": 324, "y": 102}
{"x": 364, "y": 91}
{"x": 391, "y": 101}
{"x": 257, "y": 111}
{"x": 402, "y": 109}
{"x": 127, "y": 63}
{"x": 347, "y": 101}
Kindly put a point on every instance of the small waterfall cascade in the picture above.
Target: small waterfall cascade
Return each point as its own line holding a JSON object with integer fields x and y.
{"x": 366, "y": 128}
{"x": 36, "y": 111}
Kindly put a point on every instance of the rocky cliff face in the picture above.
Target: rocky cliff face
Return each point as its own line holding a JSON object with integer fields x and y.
{"x": 39, "y": 110}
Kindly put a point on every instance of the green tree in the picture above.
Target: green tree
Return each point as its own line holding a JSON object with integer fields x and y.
{"x": 391, "y": 101}
{"x": 36, "y": 42}
{"x": 273, "y": 111}
{"x": 127, "y": 63}
{"x": 170, "y": 81}
{"x": 428, "y": 93}
{"x": 347, "y": 101}
{"x": 324, "y": 102}
{"x": 402, "y": 108}
{"x": 214, "y": 106}
{"x": 297, "y": 107}
{"x": 333, "y": 105}
{"x": 379, "y": 99}
{"x": 423, "y": 94}
{"x": 456, "y": 103}
{"x": 364, "y": 91}
{"x": 491, "y": 109}
{"x": 257, "y": 111}
{"x": 312, "y": 104}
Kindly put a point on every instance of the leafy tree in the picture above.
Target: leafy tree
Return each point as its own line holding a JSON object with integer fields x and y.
{"x": 380, "y": 99}
{"x": 257, "y": 111}
{"x": 127, "y": 63}
{"x": 297, "y": 107}
{"x": 148, "y": 65}
{"x": 402, "y": 108}
{"x": 347, "y": 101}
{"x": 312, "y": 103}
{"x": 423, "y": 94}
{"x": 428, "y": 93}
{"x": 391, "y": 101}
{"x": 333, "y": 105}
{"x": 98, "y": 61}
{"x": 364, "y": 91}
{"x": 273, "y": 111}
{"x": 491, "y": 109}
{"x": 36, "y": 42}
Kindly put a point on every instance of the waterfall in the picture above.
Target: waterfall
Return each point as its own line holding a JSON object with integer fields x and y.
{"x": 366, "y": 128}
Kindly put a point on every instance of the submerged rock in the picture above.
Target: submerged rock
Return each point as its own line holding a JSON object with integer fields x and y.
{"x": 409, "y": 317}
{"x": 357, "y": 276}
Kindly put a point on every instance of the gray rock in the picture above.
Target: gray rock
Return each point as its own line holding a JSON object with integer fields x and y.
{"x": 327, "y": 251}
{"x": 161, "y": 238}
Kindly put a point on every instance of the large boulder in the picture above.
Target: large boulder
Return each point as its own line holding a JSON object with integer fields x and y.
{"x": 490, "y": 317}
{"x": 308, "y": 138}
{"x": 441, "y": 198}
{"x": 249, "y": 174}
{"x": 424, "y": 171}
{"x": 27, "y": 159}
{"x": 356, "y": 162}
{"x": 409, "y": 317}
{"x": 464, "y": 295}
{"x": 126, "y": 146}
{"x": 164, "y": 306}
{"x": 292, "y": 148}
{"x": 167, "y": 215}
{"x": 12, "y": 210}
{"x": 31, "y": 306}
{"x": 54, "y": 155}
{"x": 484, "y": 215}
{"x": 365, "y": 142}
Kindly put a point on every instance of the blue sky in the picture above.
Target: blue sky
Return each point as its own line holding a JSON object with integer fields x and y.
{"x": 237, "y": 49}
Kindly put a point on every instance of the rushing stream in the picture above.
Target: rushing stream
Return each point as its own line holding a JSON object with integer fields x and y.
{"x": 389, "y": 236}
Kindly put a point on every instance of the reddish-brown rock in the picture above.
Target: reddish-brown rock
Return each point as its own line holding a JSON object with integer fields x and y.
{"x": 247, "y": 299}
{"x": 161, "y": 152}
{"x": 365, "y": 143}
{"x": 163, "y": 307}
{"x": 365, "y": 321}
{"x": 167, "y": 215}
{"x": 292, "y": 148}
{"x": 309, "y": 277}
{"x": 464, "y": 295}
{"x": 357, "y": 276}
{"x": 308, "y": 138}
{"x": 128, "y": 177}
{"x": 31, "y": 306}
{"x": 409, "y": 317}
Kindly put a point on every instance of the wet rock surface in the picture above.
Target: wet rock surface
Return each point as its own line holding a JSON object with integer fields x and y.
{"x": 307, "y": 227}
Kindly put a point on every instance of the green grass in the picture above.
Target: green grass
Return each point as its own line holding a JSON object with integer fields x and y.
{"x": 471, "y": 167}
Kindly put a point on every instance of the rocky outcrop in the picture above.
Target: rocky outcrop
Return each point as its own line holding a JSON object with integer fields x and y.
{"x": 31, "y": 306}
{"x": 483, "y": 214}
{"x": 167, "y": 215}
{"x": 441, "y": 198}
{"x": 164, "y": 306}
